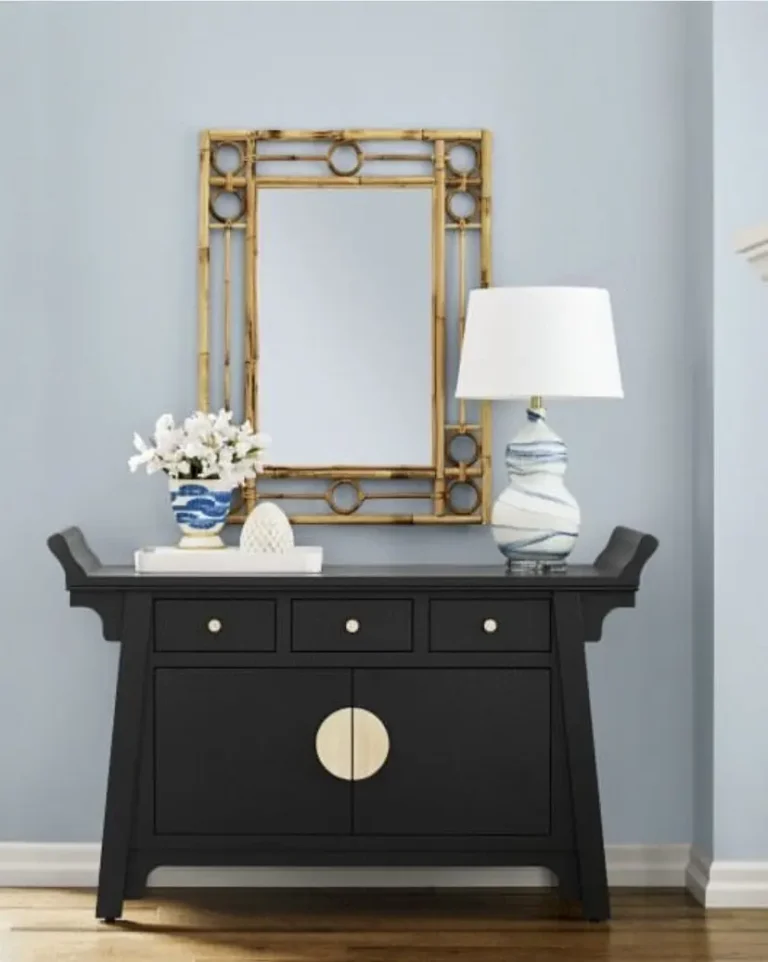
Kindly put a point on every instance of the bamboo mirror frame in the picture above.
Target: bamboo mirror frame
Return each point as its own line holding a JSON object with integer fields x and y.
{"x": 456, "y": 485}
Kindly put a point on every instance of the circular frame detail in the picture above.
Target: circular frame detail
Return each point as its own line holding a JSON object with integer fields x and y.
{"x": 232, "y": 193}
{"x": 458, "y": 483}
{"x": 330, "y": 496}
{"x": 359, "y": 158}
{"x": 458, "y": 461}
{"x": 474, "y": 169}
{"x": 456, "y": 218}
{"x": 228, "y": 144}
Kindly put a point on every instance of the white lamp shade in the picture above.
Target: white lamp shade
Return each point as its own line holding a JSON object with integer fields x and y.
{"x": 548, "y": 341}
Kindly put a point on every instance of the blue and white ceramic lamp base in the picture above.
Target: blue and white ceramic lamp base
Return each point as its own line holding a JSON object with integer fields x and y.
{"x": 535, "y": 520}
{"x": 201, "y": 508}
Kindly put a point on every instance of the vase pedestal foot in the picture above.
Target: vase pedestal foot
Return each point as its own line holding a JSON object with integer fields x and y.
{"x": 198, "y": 542}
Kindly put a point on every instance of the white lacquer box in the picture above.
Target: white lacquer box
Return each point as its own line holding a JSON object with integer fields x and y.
{"x": 230, "y": 561}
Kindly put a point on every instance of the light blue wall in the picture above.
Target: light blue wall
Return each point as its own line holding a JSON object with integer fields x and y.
{"x": 699, "y": 284}
{"x": 100, "y": 107}
{"x": 740, "y": 411}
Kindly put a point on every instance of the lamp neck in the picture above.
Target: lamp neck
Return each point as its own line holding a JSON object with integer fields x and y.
{"x": 535, "y": 410}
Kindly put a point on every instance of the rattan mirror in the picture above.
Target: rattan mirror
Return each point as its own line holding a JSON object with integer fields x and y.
{"x": 334, "y": 268}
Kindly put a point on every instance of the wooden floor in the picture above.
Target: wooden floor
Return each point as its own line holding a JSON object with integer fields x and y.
{"x": 385, "y": 926}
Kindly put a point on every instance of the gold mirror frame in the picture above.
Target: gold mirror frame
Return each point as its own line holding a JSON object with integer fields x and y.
{"x": 440, "y": 481}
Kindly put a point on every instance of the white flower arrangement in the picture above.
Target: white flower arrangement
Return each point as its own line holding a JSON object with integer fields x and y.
{"x": 204, "y": 446}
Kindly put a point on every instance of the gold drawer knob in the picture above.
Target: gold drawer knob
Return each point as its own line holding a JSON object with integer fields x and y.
{"x": 352, "y": 626}
{"x": 490, "y": 625}
{"x": 214, "y": 626}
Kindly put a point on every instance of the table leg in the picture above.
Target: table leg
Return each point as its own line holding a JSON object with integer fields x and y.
{"x": 580, "y": 755}
{"x": 124, "y": 757}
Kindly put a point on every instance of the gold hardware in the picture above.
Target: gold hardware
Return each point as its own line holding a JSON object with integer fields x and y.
{"x": 536, "y": 402}
{"x": 370, "y": 744}
{"x": 352, "y": 744}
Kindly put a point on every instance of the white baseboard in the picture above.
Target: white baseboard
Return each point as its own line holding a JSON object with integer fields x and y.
{"x": 697, "y": 875}
{"x": 721, "y": 884}
{"x": 48, "y": 864}
{"x": 64, "y": 865}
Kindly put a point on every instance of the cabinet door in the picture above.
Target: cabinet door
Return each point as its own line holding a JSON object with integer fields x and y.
{"x": 469, "y": 752}
{"x": 235, "y": 752}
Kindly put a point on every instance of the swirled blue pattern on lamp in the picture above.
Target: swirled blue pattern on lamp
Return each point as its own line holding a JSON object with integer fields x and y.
{"x": 536, "y": 519}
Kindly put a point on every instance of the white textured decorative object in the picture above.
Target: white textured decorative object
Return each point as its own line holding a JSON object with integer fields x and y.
{"x": 530, "y": 342}
{"x": 267, "y": 530}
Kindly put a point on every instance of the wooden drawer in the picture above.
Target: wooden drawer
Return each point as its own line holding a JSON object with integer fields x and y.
{"x": 214, "y": 625}
{"x": 353, "y": 625}
{"x": 492, "y": 625}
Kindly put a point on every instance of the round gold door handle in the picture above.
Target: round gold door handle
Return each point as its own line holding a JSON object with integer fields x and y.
{"x": 333, "y": 743}
{"x": 214, "y": 626}
{"x": 490, "y": 625}
{"x": 352, "y": 626}
{"x": 352, "y": 744}
{"x": 370, "y": 744}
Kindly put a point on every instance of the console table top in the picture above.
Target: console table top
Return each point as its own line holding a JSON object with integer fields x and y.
{"x": 618, "y": 566}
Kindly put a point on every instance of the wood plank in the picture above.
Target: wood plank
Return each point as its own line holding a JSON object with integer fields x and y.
{"x": 223, "y": 925}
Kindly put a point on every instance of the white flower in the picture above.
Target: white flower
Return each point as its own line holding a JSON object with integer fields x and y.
{"x": 136, "y": 460}
{"x": 192, "y": 426}
{"x": 205, "y": 445}
{"x": 163, "y": 426}
{"x": 261, "y": 441}
{"x": 167, "y": 442}
{"x": 194, "y": 448}
{"x": 222, "y": 422}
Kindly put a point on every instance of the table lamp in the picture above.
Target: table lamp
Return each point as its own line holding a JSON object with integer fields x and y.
{"x": 537, "y": 342}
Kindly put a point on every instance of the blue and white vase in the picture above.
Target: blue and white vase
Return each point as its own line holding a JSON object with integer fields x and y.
{"x": 536, "y": 519}
{"x": 200, "y": 508}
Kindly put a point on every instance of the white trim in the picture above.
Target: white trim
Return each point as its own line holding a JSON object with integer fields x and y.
{"x": 66, "y": 865}
{"x": 48, "y": 864}
{"x": 753, "y": 244}
{"x": 697, "y": 875}
{"x": 724, "y": 884}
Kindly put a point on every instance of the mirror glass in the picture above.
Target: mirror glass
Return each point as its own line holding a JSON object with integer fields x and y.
{"x": 345, "y": 329}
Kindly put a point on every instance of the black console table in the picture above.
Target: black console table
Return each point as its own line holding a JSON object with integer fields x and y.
{"x": 365, "y": 716}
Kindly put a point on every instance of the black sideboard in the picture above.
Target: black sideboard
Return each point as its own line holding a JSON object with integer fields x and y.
{"x": 367, "y": 716}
